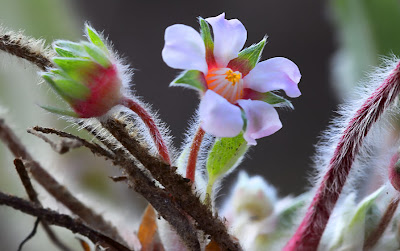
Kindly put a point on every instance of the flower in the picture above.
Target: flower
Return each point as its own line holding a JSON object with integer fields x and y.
{"x": 87, "y": 77}
{"x": 235, "y": 87}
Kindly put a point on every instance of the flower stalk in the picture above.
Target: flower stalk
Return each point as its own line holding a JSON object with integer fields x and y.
{"x": 194, "y": 153}
{"x": 151, "y": 125}
{"x": 308, "y": 234}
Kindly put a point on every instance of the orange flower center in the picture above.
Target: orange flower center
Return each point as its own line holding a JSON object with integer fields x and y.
{"x": 225, "y": 82}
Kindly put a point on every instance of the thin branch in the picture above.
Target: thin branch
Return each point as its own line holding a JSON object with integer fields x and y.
{"x": 31, "y": 234}
{"x": 175, "y": 184}
{"x": 33, "y": 196}
{"x": 61, "y": 146}
{"x": 61, "y": 193}
{"x": 93, "y": 147}
{"x": 23, "y": 47}
{"x": 53, "y": 187}
{"x": 61, "y": 220}
{"x": 194, "y": 152}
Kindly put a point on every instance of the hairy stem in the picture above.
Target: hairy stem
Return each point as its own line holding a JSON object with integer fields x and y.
{"x": 177, "y": 186}
{"x": 61, "y": 220}
{"x": 194, "y": 152}
{"x": 17, "y": 47}
{"x": 308, "y": 235}
{"x": 151, "y": 125}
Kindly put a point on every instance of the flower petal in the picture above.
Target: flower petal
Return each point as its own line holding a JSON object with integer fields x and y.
{"x": 274, "y": 74}
{"x": 229, "y": 38}
{"x": 262, "y": 120}
{"x": 184, "y": 48}
{"x": 219, "y": 117}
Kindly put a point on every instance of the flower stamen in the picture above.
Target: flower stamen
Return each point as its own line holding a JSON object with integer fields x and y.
{"x": 225, "y": 82}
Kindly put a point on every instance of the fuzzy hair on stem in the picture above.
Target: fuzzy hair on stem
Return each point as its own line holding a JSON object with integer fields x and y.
{"x": 33, "y": 50}
{"x": 308, "y": 235}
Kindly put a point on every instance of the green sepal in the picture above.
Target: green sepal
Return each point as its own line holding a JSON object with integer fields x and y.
{"x": 275, "y": 100}
{"x": 97, "y": 54}
{"x": 76, "y": 68}
{"x": 224, "y": 155}
{"x": 59, "y": 111}
{"x": 95, "y": 38}
{"x": 72, "y": 88}
{"x": 287, "y": 217}
{"x": 69, "y": 49}
{"x": 208, "y": 41}
{"x": 248, "y": 58}
{"x": 192, "y": 79}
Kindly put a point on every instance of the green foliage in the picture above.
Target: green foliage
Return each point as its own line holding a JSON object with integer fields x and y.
{"x": 273, "y": 99}
{"x": 248, "y": 58}
{"x": 95, "y": 38}
{"x": 192, "y": 79}
{"x": 224, "y": 155}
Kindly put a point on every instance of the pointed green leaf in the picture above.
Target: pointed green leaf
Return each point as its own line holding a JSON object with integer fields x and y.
{"x": 97, "y": 54}
{"x": 275, "y": 100}
{"x": 69, "y": 49}
{"x": 248, "y": 58}
{"x": 225, "y": 154}
{"x": 208, "y": 41}
{"x": 76, "y": 68}
{"x": 60, "y": 111}
{"x": 192, "y": 79}
{"x": 72, "y": 88}
{"x": 95, "y": 38}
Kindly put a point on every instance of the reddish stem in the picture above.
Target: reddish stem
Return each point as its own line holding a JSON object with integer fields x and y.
{"x": 151, "y": 125}
{"x": 194, "y": 152}
{"x": 309, "y": 233}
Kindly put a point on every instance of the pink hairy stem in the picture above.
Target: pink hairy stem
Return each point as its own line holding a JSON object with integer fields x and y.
{"x": 308, "y": 234}
{"x": 194, "y": 152}
{"x": 151, "y": 125}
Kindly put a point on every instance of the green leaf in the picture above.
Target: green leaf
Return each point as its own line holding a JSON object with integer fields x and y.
{"x": 208, "y": 41}
{"x": 224, "y": 155}
{"x": 60, "y": 111}
{"x": 66, "y": 88}
{"x": 95, "y": 38}
{"x": 288, "y": 216}
{"x": 248, "y": 58}
{"x": 192, "y": 79}
{"x": 97, "y": 54}
{"x": 77, "y": 68}
{"x": 72, "y": 88}
{"x": 355, "y": 226}
{"x": 275, "y": 100}
{"x": 69, "y": 49}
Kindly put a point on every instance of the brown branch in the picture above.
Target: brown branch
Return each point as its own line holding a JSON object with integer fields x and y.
{"x": 93, "y": 147}
{"x": 61, "y": 220}
{"x": 33, "y": 196}
{"x": 157, "y": 197}
{"x": 174, "y": 183}
{"x": 61, "y": 146}
{"x": 61, "y": 193}
{"x": 376, "y": 235}
{"x": 20, "y": 47}
{"x": 53, "y": 187}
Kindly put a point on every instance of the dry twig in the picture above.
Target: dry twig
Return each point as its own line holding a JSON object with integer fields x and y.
{"x": 61, "y": 220}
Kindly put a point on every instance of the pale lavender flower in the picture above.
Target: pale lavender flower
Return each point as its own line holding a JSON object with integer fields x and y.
{"x": 235, "y": 87}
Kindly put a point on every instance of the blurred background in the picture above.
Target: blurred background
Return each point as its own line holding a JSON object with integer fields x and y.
{"x": 333, "y": 42}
